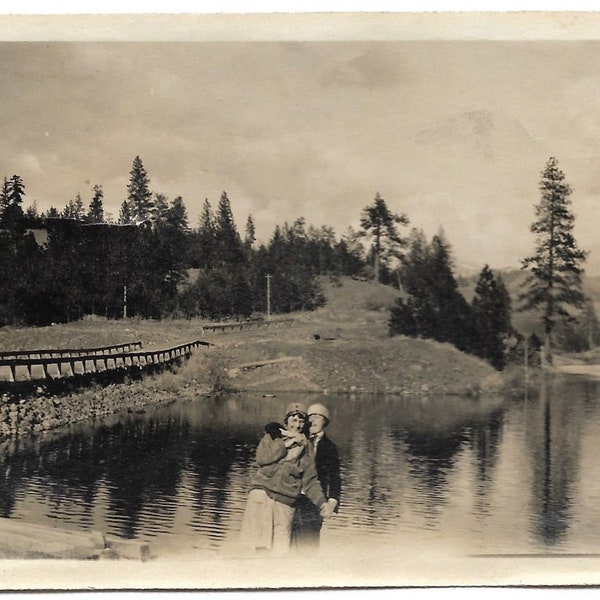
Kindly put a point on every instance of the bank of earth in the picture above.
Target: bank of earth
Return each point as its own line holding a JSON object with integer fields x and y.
{"x": 345, "y": 347}
{"x": 341, "y": 347}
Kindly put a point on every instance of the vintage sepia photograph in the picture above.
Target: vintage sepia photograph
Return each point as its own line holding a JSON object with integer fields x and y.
{"x": 299, "y": 301}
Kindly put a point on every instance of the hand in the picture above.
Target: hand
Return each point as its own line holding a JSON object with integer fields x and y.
{"x": 292, "y": 438}
{"x": 327, "y": 509}
{"x": 273, "y": 429}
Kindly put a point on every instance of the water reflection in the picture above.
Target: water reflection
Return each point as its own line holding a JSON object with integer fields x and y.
{"x": 444, "y": 470}
{"x": 485, "y": 439}
{"x": 553, "y": 435}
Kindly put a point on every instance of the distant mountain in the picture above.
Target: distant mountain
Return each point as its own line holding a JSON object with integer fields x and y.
{"x": 484, "y": 132}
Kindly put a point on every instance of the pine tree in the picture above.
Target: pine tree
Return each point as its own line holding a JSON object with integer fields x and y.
{"x": 161, "y": 207}
{"x": 12, "y": 198}
{"x": 249, "y": 240}
{"x": 74, "y": 208}
{"x": 351, "y": 253}
{"x": 205, "y": 238}
{"x": 435, "y": 308}
{"x": 168, "y": 252}
{"x": 16, "y": 190}
{"x": 96, "y": 207}
{"x": 413, "y": 271}
{"x": 32, "y": 212}
{"x": 453, "y": 311}
{"x": 68, "y": 210}
{"x": 553, "y": 284}
{"x": 321, "y": 249}
{"x": 78, "y": 206}
{"x": 379, "y": 223}
{"x": 227, "y": 238}
{"x": 125, "y": 215}
{"x": 591, "y": 324}
{"x": 177, "y": 214}
{"x": 492, "y": 317}
{"x": 250, "y": 236}
{"x": 4, "y": 200}
{"x": 139, "y": 197}
{"x": 582, "y": 334}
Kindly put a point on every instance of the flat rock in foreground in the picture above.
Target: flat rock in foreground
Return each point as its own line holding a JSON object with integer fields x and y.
{"x": 28, "y": 540}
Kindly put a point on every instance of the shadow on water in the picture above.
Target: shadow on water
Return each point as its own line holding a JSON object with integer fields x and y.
{"x": 184, "y": 469}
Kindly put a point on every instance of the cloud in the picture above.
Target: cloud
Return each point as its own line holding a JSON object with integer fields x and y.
{"x": 379, "y": 66}
{"x": 454, "y": 134}
{"x": 31, "y": 163}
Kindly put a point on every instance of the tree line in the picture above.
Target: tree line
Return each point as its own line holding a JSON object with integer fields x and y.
{"x": 433, "y": 307}
{"x": 152, "y": 264}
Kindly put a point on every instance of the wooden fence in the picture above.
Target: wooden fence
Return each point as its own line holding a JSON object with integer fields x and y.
{"x": 236, "y": 370}
{"x": 241, "y": 325}
{"x": 30, "y": 364}
{"x": 62, "y": 352}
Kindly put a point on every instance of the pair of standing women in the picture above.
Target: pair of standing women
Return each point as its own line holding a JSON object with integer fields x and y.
{"x": 297, "y": 483}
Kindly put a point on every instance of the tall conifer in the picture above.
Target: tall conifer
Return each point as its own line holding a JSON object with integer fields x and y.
{"x": 380, "y": 224}
{"x": 96, "y": 207}
{"x": 139, "y": 196}
{"x": 492, "y": 317}
{"x": 553, "y": 284}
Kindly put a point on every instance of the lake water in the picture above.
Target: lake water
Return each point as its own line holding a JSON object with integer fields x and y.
{"x": 481, "y": 476}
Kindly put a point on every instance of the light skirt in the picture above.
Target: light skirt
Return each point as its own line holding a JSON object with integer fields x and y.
{"x": 267, "y": 524}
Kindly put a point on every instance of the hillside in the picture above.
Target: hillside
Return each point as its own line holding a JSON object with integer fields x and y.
{"x": 343, "y": 346}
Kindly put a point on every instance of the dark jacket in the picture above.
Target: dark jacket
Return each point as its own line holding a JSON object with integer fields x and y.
{"x": 327, "y": 461}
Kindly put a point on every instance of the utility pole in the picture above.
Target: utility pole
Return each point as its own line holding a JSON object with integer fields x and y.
{"x": 268, "y": 297}
{"x": 124, "y": 302}
{"x": 526, "y": 357}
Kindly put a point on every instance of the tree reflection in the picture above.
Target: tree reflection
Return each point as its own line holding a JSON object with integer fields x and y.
{"x": 12, "y": 467}
{"x": 435, "y": 432}
{"x": 214, "y": 453}
{"x": 485, "y": 439}
{"x": 145, "y": 464}
{"x": 553, "y": 437}
{"x": 432, "y": 454}
{"x": 486, "y": 435}
{"x": 403, "y": 451}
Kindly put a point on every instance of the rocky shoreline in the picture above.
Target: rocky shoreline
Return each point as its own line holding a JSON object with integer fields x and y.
{"x": 42, "y": 406}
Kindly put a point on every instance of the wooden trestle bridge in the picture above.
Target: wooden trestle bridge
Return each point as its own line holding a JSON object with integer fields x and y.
{"x": 28, "y": 365}
{"x": 61, "y": 363}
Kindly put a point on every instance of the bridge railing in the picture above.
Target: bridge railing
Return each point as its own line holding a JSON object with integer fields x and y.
{"x": 62, "y": 352}
{"x": 80, "y": 363}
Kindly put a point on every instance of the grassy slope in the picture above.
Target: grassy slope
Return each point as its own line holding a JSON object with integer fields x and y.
{"x": 353, "y": 352}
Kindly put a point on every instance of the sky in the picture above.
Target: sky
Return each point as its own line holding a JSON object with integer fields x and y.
{"x": 452, "y": 133}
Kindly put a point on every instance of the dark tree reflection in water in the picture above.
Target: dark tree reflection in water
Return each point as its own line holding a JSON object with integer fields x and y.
{"x": 554, "y": 434}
